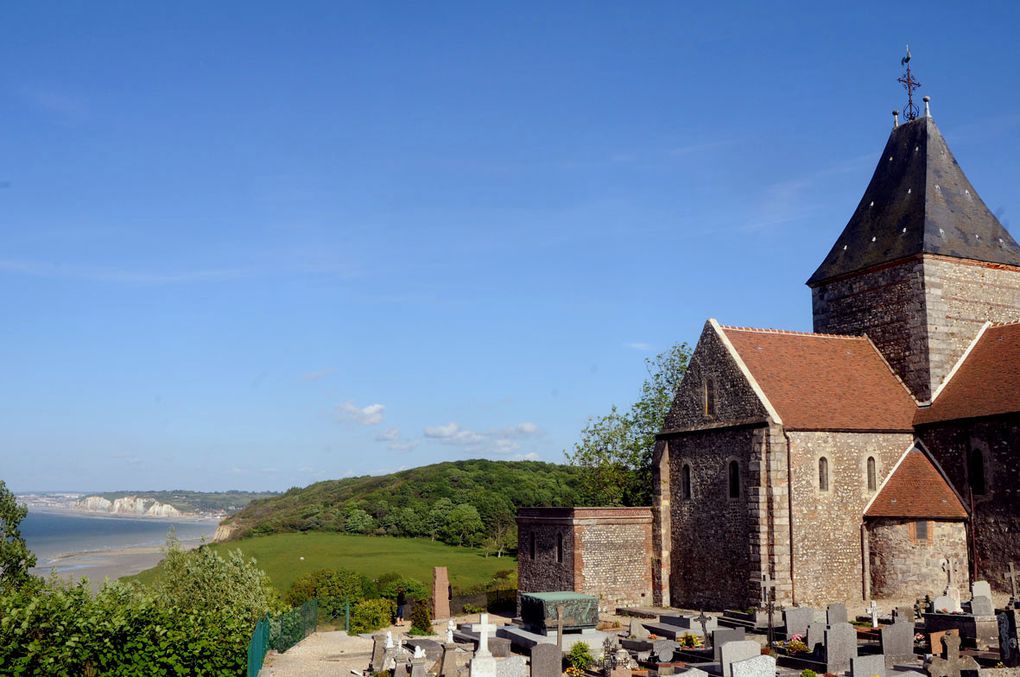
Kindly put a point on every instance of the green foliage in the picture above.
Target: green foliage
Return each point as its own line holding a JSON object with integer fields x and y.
{"x": 332, "y": 587}
{"x": 422, "y": 502}
{"x": 15, "y": 557}
{"x": 421, "y": 618}
{"x": 580, "y": 656}
{"x": 808, "y": 673}
{"x": 369, "y": 615}
{"x": 389, "y": 587}
{"x": 474, "y": 609}
{"x": 616, "y": 450}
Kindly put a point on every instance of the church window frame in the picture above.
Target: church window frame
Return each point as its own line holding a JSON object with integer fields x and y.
{"x": 733, "y": 480}
{"x": 871, "y": 474}
{"x": 686, "y": 490}
{"x": 920, "y": 532}
{"x": 709, "y": 397}
{"x": 559, "y": 547}
{"x": 823, "y": 474}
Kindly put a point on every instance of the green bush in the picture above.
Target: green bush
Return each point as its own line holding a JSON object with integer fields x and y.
{"x": 369, "y": 615}
{"x": 580, "y": 656}
{"x": 332, "y": 587}
{"x": 413, "y": 589}
{"x": 421, "y": 618}
{"x": 808, "y": 673}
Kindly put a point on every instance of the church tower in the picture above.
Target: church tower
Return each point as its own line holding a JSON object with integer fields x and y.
{"x": 921, "y": 265}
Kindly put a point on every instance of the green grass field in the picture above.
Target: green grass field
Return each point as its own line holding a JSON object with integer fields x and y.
{"x": 280, "y": 555}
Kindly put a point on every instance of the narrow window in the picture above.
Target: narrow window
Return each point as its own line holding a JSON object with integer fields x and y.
{"x": 685, "y": 481}
{"x": 823, "y": 474}
{"x": 976, "y": 472}
{"x": 872, "y": 475}
{"x": 709, "y": 396}
{"x": 532, "y": 548}
{"x": 734, "y": 479}
{"x": 559, "y": 548}
{"x": 922, "y": 533}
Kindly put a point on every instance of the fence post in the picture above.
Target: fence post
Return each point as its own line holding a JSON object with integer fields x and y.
{"x": 347, "y": 616}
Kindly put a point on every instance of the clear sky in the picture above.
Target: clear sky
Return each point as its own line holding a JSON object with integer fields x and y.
{"x": 254, "y": 245}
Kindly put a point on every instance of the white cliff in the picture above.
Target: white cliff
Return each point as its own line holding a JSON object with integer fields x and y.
{"x": 127, "y": 505}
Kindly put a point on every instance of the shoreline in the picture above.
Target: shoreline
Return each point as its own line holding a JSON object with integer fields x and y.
{"x": 185, "y": 517}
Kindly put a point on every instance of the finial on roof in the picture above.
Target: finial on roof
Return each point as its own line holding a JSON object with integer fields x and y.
{"x": 927, "y": 106}
{"x": 895, "y": 119}
{"x": 910, "y": 84}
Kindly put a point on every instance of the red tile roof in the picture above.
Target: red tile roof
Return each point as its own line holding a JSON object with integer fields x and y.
{"x": 987, "y": 383}
{"x": 821, "y": 381}
{"x": 916, "y": 489}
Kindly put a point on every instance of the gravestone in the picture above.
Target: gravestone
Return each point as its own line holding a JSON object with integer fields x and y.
{"x": 868, "y": 666}
{"x": 720, "y": 637}
{"x": 840, "y": 647}
{"x": 835, "y": 613}
{"x": 483, "y": 664}
{"x": 935, "y": 640}
{"x": 904, "y": 614}
{"x": 499, "y": 647}
{"x": 982, "y": 606}
{"x": 663, "y": 649}
{"x": 951, "y": 664}
{"x": 693, "y": 672}
{"x": 400, "y": 669}
{"x": 732, "y": 652}
{"x": 454, "y": 658}
{"x": 758, "y": 666}
{"x": 440, "y": 593}
{"x": 981, "y": 589}
{"x": 947, "y": 604}
{"x": 514, "y": 666}
{"x": 638, "y": 629}
{"x": 1009, "y": 637}
{"x": 419, "y": 666}
{"x": 873, "y": 613}
{"x": 815, "y": 637}
{"x": 797, "y": 619}
{"x": 897, "y": 641}
{"x": 378, "y": 652}
{"x": 546, "y": 661}
{"x": 539, "y": 610}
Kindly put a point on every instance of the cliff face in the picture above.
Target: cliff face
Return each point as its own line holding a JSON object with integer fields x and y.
{"x": 224, "y": 532}
{"x": 127, "y": 505}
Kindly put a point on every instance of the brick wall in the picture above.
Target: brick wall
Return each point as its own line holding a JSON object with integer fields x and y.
{"x": 996, "y": 517}
{"x": 827, "y": 547}
{"x": 606, "y": 553}
{"x": 905, "y": 566}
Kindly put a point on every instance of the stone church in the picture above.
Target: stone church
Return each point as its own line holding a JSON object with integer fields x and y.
{"x": 849, "y": 463}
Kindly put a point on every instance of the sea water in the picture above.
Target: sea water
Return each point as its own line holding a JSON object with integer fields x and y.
{"x": 54, "y": 535}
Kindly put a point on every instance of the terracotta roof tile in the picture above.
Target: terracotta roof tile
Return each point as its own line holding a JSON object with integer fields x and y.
{"x": 987, "y": 383}
{"x": 916, "y": 489}
{"x": 817, "y": 381}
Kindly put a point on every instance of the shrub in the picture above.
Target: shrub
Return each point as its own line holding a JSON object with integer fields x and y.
{"x": 332, "y": 587}
{"x": 474, "y": 609}
{"x": 795, "y": 646}
{"x": 808, "y": 673}
{"x": 690, "y": 641}
{"x": 580, "y": 656}
{"x": 413, "y": 589}
{"x": 421, "y": 618}
{"x": 369, "y": 615}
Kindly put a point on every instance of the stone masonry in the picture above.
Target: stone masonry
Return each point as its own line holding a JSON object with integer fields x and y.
{"x": 900, "y": 561}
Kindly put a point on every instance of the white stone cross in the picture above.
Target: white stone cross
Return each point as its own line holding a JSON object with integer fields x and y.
{"x": 949, "y": 566}
{"x": 874, "y": 613}
{"x": 389, "y": 639}
{"x": 483, "y": 628}
{"x": 449, "y": 631}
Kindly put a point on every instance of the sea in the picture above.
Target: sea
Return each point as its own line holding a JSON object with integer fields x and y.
{"x": 55, "y": 536}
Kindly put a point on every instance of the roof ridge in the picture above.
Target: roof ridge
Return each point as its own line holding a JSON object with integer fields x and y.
{"x": 792, "y": 332}
{"x": 997, "y": 325}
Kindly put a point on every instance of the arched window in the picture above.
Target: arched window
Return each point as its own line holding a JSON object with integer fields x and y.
{"x": 976, "y": 472}
{"x": 709, "y": 396}
{"x": 685, "y": 481}
{"x": 734, "y": 479}
{"x": 823, "y": 474}
{"x": 531, "y": 549}
{"x": 559, "y": 548}
{"x": 872, "y": 474}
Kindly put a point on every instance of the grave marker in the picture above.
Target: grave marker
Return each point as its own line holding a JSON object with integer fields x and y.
{"x": 731, "y": 652}
{"x": 840, "y": 647}
{"x": 951, "y": 664}
{"x": 720, "y": 637}
{"x": 546, "y": 661}
{"x": 868, "y": 666}
{"x": 797, "y": 619}
{"x": 758, "y": 666}
{"x": 836, "y": 613}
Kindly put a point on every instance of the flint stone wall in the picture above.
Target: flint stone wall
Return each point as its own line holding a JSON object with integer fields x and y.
{"x": 902, "y": 567}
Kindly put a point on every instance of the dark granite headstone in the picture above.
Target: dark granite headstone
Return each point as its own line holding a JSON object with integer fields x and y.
{"x": 720, "y": 637}
{"x": 1009, "y": 637}
{"x": 835, "y": 613}
{"x": 868, "y": 666}
{"x": 897, "y": 642}
{"x": 538, "y": 610}
{"x": 840, "y": 647}
{"x": 546, "y": 661}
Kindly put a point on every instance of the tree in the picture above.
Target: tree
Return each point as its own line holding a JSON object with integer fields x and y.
{"x": 15, "y": 557}
{"x": 359, "y": 522}
{"x": 438, "y": 517}
{"x": 463, "y": 525}
{"x": 616, "y": 449}
{"x": 499, "y": 517}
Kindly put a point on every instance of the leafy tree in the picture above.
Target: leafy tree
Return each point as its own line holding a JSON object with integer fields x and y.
{"x": 359, "y": 522}
{"x": 616, "y": 450}
{"x": 463, "y": 525}
{"x": 332, "y": 587}
{"x": 438, "y": 517}
{"x": 499, "y": 517}
{"x": 15, "y": 557}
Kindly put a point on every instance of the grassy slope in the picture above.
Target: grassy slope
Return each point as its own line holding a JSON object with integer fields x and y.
{"x": 280, "y": 556}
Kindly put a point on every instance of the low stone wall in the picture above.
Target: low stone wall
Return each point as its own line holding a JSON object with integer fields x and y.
{"x": 904, "y": 565}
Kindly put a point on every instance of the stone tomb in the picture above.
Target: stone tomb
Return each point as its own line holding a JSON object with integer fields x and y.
{"x": 978, "y": 632}
{"x": 950, "y": 663}
{"x": 868, "y": 666}
{"x": 733, "y": 652}
{"x": 540, "y": 611}
{"x": 690, "y": 623}
{"x": 757, "y": 666}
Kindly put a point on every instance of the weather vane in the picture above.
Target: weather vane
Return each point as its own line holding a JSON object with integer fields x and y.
{"x": 910, "y": 111}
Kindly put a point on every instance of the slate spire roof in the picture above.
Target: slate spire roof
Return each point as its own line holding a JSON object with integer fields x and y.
{"x": 918, "y": 201}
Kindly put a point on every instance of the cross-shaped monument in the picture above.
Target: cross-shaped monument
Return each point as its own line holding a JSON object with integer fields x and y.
{"x": 703, "y": 620}
{"x": 949, "y": 566}
{"x": 483, "y": 628}
{"x": 873, "y": 608}
{"x": 768, "y": 602}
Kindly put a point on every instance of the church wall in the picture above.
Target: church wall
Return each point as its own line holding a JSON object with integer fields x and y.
{"x": 827, "y": 546}
{"x": 711, "y": 564}
{"x": 904, "y": 566}
{"x": 996, "y": 520}
{"x": 960, "y": 297}
{"x": 734, "y": 398}
{"x": 888, "y": 304}
{"x": 543, "y": 572}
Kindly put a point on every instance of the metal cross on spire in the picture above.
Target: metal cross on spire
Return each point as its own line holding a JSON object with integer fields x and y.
{"x": 910, "y": 111}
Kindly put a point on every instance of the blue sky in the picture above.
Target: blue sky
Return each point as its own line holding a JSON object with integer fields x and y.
{"x": 255, "y": 245}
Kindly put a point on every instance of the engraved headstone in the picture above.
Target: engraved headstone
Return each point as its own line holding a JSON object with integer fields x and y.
{"x": 1009, "y": 637}
{"x": 797, "y": 619}
{"x": 840, "y": 647}
{"x": 546, "y": 661}
{"x": 400, "y": 669}
{"x": 897, "y": 641}
{"x": 835, "y": 613}
{"x": 733, "y": 652}
{"x": 693, "y": 672}
{"x": 904, "y": 614}
{"x": 663, "y": 650}
{"x": 499, "y": 647}
{"x": 950, "y": 663}
{"x": 720, "y": 637}
{"x": 378, "y": 652}
{"x": 758, "y": 666}
{"x": 873, "y": 612}
{"x": 868, "y": 666}
{"x": 947, "y": 604}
